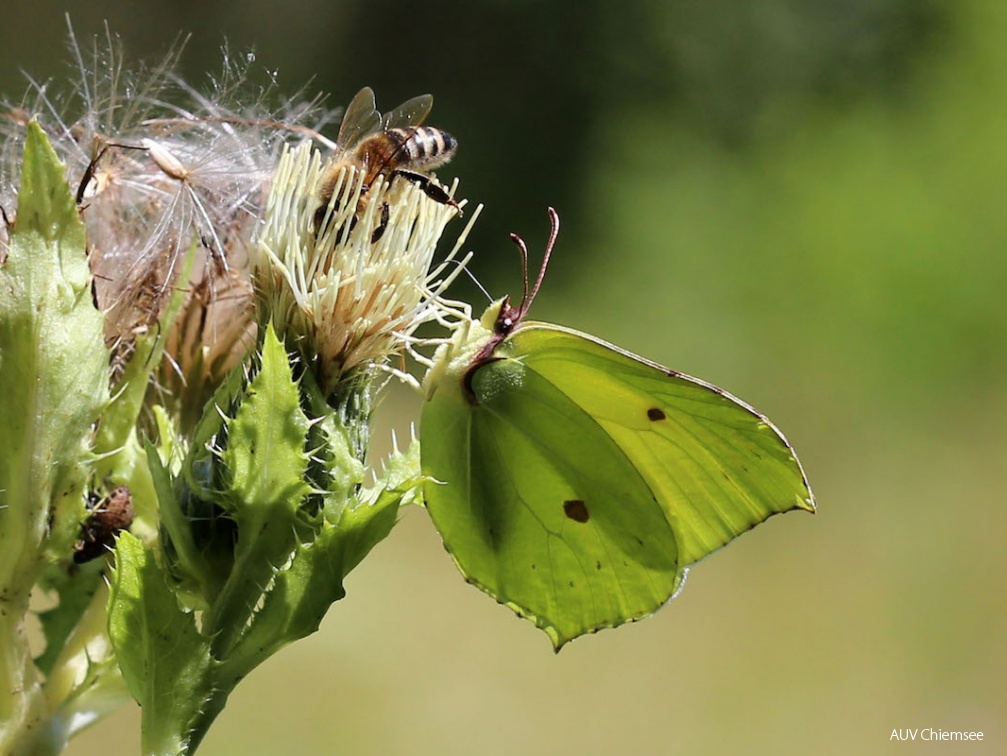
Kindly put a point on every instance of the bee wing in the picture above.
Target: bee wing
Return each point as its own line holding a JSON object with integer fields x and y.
{"x": 410, "y": 113}
{"x": 361, "y": 118}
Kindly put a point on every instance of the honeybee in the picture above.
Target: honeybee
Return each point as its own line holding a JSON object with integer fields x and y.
{"x": 395, "y": 144}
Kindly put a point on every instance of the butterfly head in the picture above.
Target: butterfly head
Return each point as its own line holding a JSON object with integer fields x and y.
{"x": 502, "y": 317}
{"x": 477, "y": 344}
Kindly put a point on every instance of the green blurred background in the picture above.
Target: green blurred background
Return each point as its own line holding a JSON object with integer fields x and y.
{"x": 799, "y": 200}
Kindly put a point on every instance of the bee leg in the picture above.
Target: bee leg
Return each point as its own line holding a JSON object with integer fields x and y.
{"x": 323, "y": 209}
{"x": 380, "y": 230}
{"x": 432, "y": 190}
{"x": 320, "y": 219}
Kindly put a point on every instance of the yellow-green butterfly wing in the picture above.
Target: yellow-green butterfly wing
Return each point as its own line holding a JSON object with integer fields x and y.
{"x": 575, "y": 482}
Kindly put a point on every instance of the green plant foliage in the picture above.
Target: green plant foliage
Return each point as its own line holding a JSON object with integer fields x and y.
{"x": 54, "y": 384}
{"x": 245, "y": 541}
{"x": 75, "y": 590}
{"x": 265, "y": 459}
{"x": 53, "y": 367}
{"x": 165, "y": 660}
{"x": 576, "y": 481}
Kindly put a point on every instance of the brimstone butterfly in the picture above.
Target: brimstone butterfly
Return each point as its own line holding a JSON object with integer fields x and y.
{"x": 575, "y": 482}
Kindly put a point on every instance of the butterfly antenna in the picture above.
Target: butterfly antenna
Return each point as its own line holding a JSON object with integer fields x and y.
{"x": 554, "y": 220}
{"x": 527, "y": 297}
{"x": 524, "y": 274}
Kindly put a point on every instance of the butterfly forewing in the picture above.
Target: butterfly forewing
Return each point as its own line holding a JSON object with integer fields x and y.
{"x": 716, "y": 466}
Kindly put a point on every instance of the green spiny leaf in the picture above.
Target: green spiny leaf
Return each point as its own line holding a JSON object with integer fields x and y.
{"x": 165, "y": 661}
{"x": 401, "y": 476}
{"x": 303, "y": 590}
{"x": 334, "y": 469}
{"x": 266, "y": 462}
{"x": 53, "y": 368}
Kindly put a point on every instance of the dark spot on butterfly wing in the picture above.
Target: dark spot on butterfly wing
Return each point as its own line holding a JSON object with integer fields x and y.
{"x": 576, "y": 510}
{"x": 655, "y": 414}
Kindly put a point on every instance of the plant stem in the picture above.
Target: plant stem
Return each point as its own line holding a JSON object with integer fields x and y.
{"x": 23, "y": 711}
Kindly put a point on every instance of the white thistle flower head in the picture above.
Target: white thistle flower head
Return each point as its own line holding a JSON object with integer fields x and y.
{"x": 348, "y": 292}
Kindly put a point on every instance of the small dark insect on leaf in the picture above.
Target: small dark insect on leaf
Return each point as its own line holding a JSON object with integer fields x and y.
{"x": 655, "y": 414}
{"x": 106, "y": 519}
